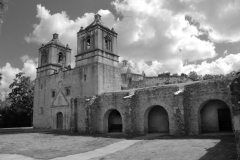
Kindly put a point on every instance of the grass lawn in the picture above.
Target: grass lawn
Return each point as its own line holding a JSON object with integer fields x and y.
{"x": 50, "y": 144}
{"x": 179, "y": 148}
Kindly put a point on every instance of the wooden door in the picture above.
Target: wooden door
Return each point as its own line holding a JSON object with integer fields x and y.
{"x": 60, "y": 121}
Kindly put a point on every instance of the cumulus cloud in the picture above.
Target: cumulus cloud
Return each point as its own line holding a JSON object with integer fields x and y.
{"x": 146, "y": 32}
{"x": 219, "y": 17}
{"x": 9, "y": 72}
{"x": 222, "y": 65}
{"x": 157, "y": 35}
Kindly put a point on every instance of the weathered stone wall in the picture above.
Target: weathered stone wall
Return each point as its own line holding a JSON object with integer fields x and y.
{"x": 235, "y": 98}
{"x": 198, "y": 94}
{"x": 182, "y": 103}
{"x": 134, "y": 109}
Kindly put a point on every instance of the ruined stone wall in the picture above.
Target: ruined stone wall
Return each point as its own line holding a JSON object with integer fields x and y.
{"x": 134, "y": 109}
{"x": 235, "y": 98}
{"x": 198, "y": 94}
{"x": 145, "y": 99}
{"x": 182, "y": 102}
{"x": 156, "y": 81}
{"x": 98, "y": 110}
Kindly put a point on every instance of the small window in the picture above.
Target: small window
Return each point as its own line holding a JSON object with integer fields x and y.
{"x": 60, "y": 57}
{"x": 88, "y": 43}
{"x": 108, "y": 43}
{"x": 53, "y": 94}
{"x": 41, "y": 86}
{"x": 68, "y": 91}
{"x": 40, "y": 110}
{"x": 85, "y": 77}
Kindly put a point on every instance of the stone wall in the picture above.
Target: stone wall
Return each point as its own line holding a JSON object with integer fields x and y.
{"x": 196, "y": 95}
{"x": 181, "y": 102}
{"x": 235, "y": 98}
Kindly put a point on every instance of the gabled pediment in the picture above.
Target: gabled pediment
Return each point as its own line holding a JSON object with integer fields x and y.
{"x": 60, "y": 100}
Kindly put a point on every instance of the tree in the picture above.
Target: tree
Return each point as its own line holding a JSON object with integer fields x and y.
{"x": 208, "y": 76}
{"x": 3, "y": 8}
{"x": 194, "y": 76}
{"x": 19, "y": 113}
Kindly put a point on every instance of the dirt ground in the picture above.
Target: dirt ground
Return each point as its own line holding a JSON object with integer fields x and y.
{"x": 175, "y": 148}
{"x": 50, "y": 144}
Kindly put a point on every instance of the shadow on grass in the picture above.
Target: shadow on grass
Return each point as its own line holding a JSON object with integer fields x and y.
{"x": 8, "y": 131}
{"x": 224, "y": 150}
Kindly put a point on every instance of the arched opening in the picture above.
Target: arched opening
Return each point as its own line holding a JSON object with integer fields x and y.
{"x": 158, "y": 120}
{"x": 215, "y": 116}
{"x": 60, "y": 57}
{"x": 59, "y": 120}
{"x": 115, "y": 121}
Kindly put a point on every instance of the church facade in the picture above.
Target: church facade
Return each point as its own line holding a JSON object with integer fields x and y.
{"x": 98, "y": 96}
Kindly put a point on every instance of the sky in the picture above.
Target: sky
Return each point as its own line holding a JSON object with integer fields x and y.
{"x": 155, "y": 36}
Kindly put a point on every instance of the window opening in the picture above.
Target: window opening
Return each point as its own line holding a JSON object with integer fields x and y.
{"x": 53, "y": 93}
{"x": 85, "y": 77}
{"x": 68, "y": 91}
{"x": 88, "y": 43}
{"x": 60, "y": 57}
{"x": 108, "y": 43}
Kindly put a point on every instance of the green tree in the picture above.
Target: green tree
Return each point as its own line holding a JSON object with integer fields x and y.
{"x": 208, "y": 76}
{"x": 19, "y": 112}
{"x": 22, "y": 93}
{"x": 194, "y": 76}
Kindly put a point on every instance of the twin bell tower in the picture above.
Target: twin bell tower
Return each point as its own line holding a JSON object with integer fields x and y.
{"x": 96, "y": 60}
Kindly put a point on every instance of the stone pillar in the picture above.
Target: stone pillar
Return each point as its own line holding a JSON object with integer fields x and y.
{"x": 235, "y": 97}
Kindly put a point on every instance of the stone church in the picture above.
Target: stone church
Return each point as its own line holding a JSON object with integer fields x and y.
{"x": 100, "y": 96}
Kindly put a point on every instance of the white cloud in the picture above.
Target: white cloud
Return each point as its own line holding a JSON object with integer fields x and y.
{"x": 146, "y": 32}
{"x": 156, "y": 31}
{"x": 9, "y": 72}
{"x": 222, "y": 65}
{"x": 220, "y": 17}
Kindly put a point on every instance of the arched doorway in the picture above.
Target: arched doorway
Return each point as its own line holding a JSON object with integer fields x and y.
{"x": 59, "y": 120}
{"x": 215, "y": 117}
{"x": 158, "y": 120}
{"x": 114, "y": 121}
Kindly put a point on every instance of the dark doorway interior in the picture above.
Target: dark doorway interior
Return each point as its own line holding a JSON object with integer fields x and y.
{"x": 60, "y": 121}
{"x": 114, "y": 122}
{"x": 224, "y": 119}
{"x": 158, "y": 120}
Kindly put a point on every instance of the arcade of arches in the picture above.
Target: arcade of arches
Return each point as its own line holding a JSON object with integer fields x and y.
{"x": 215, "y": 116}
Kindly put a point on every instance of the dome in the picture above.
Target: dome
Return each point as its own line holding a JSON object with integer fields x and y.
{"x": 55, "y": 40}
{"x": 128, "y": 69}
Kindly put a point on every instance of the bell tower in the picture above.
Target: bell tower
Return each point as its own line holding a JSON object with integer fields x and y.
{"x": 97, "y": 58}
{"x": 53, "y": 56}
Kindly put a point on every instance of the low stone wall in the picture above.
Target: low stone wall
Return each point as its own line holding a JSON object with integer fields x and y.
{"x": 181, "y": 102}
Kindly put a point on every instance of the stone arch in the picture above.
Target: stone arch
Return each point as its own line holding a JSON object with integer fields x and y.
{"x": 214, "y": 115}
{"x": 156, "y": 119}
{"x": 112, "y": 121}
{"x": 59, "y": 122}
